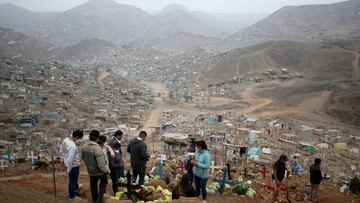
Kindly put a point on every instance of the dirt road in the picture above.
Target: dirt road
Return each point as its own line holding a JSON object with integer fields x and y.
{"x": 101, "y": 77}
{"x": 310, "y": 109}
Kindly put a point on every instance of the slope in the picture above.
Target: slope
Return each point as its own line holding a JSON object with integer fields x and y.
{"x": 317, "y": 61}
{"x": 20, "y": 19}
{"x": 310, "y": 23}
{"x": 13, "y": 44}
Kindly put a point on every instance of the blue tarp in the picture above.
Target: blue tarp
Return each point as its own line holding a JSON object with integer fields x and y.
{"x": 212, "y": 120}
{"x": 168, "y": 126}
{"x": 54, "y": 116}
{"x": 35, "y": 100}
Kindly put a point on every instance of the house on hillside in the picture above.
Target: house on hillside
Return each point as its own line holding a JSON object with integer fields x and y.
{"x": 17, "y": 76}
{"x": 35, "y": 82}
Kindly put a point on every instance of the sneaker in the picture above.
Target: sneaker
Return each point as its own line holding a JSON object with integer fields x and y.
{"x": 107, "y": 195}
{"x": 76, "y": 198}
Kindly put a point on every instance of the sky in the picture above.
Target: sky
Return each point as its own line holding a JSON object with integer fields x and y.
{"x": 210, "y": 6}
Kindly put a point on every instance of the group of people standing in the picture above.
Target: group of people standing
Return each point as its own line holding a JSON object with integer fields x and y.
{"x": 101, "y": 159}
{"x": 280, "y": 172}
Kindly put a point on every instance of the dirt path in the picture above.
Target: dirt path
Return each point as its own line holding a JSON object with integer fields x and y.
{"x": 258, "y": 57}
{"x": 357, "y": 66}
{"x": 153, "y": 118}
{"x": 101, "y": 77}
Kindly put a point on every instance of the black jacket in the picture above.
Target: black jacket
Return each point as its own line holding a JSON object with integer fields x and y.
{"x": 280, "y": 169}
{"x": 137, "y": 149}
{"x": 188, "y": 191}
{"x": 116, "y": 162}
{"x": 315, "y": 174}
{"x": 113, "y": 141}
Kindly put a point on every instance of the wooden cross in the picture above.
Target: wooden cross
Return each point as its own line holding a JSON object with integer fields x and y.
{"x": 224, "y": 181}
{"x": 264, "y": 171}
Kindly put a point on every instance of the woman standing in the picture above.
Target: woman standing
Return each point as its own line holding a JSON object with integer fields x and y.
{"x": 201, "y": 168}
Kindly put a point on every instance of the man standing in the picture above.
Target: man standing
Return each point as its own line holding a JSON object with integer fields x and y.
{"x": 97, "y": 168}
{"x": 70, "y": 156}
{"x": 315, "y": 179}
{"x": 138, "y": 156}
{"x": 117, "y": 139}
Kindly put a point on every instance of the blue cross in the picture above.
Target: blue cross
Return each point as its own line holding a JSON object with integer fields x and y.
{"x": 224, "y": 181}
{"x": 161, "y": 171}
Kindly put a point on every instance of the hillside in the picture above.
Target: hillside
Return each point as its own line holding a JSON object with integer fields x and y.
{"x": 182, "y": 42}
{"x": 102, "y": 19}
{"x": 317, "y": 61}
{"x": 21, "y": 19}
{"x": 309, "y": 23}
{"x": 89, "y": 51}
{"x": 13, "y": 44}
{"x": 180, "y": 20}
{"x": 105, "y": 20}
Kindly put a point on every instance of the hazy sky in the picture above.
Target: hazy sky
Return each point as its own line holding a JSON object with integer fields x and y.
{"x": 218, "y": 6}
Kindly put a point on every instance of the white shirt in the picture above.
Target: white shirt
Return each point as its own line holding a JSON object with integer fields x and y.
{"x": 69, "y": 153}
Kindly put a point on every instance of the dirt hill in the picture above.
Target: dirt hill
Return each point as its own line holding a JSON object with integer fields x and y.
{"x": 310, "y": 23}
{"x": 89, "y": 50}
{"x": 13, "y": 44}
{"x": 21, "y": 19}
{"x": 318, "y": 61}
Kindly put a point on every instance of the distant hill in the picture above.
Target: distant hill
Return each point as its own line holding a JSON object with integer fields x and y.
{"x": 88, "y": 51}
{"x": 102, "y": 19}
{"x": 21, "y": 19}
{"x": 13, "y": 44}
{"x": 318, "y": 61}
{"x": 228, "y": 22}
{"x": 180, "y": 20}
{"x": 172, "y": 8}
{"x": 106, "y": 20}
{"x": 182, "y": 42}
{"x": 305, "y": 23}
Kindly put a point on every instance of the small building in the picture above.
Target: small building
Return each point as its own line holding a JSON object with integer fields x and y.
{"x": 254, "y": 136}
{"x": 34, "y": 82}
{"x": 306, "y": 134}
{"x": 17, "y": 76}
{"x": 27, "y": 123}
{"x": 7, "y": 85}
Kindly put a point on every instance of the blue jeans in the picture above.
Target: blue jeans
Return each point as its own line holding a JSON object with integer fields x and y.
{"x": 73, "y": 181}
{"x": 200, "y": 184}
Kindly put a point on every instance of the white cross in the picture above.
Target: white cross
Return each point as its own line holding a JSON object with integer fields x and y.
{"x": 212, "y": 166}
{"x": 32, "y": 159}
{"x": 2, "y": 166}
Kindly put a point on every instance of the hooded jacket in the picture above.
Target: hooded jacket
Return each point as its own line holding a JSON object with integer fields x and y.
{"x": 203, "y": 160}
{"x": 137, "y": 149}
{"x": 94, "y": 159}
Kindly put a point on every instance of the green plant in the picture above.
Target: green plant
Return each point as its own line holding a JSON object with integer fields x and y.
{"x": 241, "y": 188}
{"x": 21, "y": 160}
